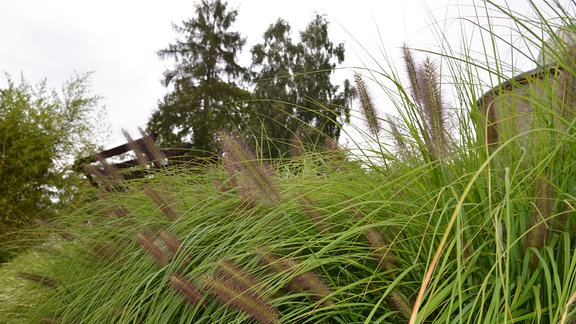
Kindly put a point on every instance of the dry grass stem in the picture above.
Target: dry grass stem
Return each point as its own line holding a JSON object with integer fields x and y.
{"x": 566, "y": 308}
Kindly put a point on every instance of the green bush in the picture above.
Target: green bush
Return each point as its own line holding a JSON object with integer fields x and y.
{"x": 41, "y": 132}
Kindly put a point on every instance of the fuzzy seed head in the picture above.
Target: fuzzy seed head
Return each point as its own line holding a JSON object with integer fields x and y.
{"x": 411, "y": 70}
{"x": 257, "y": 177}
{"x": 237, "y": 276}
{"x": 152, "y": 249}
{"x": 152, "y": 149}
{"x": 42, "y": 279}
{"x": 544, "y": 203}
{"x": 106, "y": 252}
{"x": 400, "y": 304}
{"x": 367, "y": 104}
{"x": 433, "y": 109}
{"x": 296, "y": 145}
{"x": 172, "y": 243}
{"x": 192, "y": 294}
{"x": 140, "y": 158}
{"x": 250, "y": 304}
{"x": 315, "y": 216}
{"x": 307, "y": 281}
{"x": 397, "y": 135}
{"x": 164, "y": 199}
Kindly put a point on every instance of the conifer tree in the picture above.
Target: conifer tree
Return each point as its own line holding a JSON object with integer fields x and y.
{"x": 205, "y": 96}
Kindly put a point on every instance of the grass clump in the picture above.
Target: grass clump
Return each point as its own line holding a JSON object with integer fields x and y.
{"x": 448, "y": 223}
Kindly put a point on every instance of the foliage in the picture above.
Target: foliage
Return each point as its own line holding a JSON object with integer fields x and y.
{"x": 292, "y": 86}
{"x": 41, "y": 131}
{"x": 205, "y": 97}
{"x": 481, "y": 233}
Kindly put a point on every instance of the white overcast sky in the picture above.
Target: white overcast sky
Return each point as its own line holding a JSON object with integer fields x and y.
{"x": 117, "y": 40}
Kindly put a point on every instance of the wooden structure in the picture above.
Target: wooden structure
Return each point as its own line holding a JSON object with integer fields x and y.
{"x": 539, "y": 98}
{"x": 534, "y": 99}
{"x": 136, "y": 159}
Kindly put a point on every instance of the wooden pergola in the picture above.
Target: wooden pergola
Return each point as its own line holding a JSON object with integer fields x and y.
{"x": 137, "y": 159}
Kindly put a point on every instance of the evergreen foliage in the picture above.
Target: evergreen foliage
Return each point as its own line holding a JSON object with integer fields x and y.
{"x": 205, "y": 97}
{"x": 288, "y": 91}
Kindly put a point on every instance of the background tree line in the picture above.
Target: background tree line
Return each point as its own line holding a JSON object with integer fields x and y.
{"x": 286, "y": 92}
